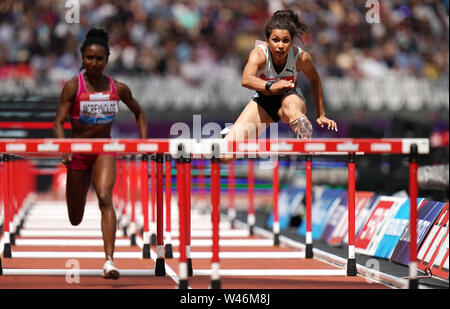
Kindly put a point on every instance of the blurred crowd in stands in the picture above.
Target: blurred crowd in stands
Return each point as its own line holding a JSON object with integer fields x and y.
{"x": 198, "y": 39}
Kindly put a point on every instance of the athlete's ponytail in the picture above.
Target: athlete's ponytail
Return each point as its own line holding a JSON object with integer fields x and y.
{"x": 288, "y": 20}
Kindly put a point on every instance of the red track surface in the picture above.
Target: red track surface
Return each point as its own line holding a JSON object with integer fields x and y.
{"x": 169, "y": 281}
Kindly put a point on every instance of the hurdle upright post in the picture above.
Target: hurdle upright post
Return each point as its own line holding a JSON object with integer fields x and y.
{"x": 153, "y": 200}
{"x": 187, "y": 186}
{"x": 251, "y": 188}
{"x": 215, "y": 216}
{"x": 413, "y": 188}
{"x": 160, "y": 269}
{"x": 351, "y": 261}
{"x": 168, "y": 250}
{"x": 231, "y": 203}
{"x": 308, "y": 197}
{"x": 132, "y": 172}
{"x": 183, "y": 268}
{"x": 6, "y": 203}
{"x": 144, "y": 198}
{"x": 276, "y": 219}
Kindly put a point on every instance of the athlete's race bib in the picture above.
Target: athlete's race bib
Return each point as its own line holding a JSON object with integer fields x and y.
{"x": 97, "y": 108}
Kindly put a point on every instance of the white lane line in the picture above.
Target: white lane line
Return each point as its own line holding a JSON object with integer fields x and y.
{"x": 126, "y": 242}
{"x": 75, "y": 254}
{"x": 69, "y": 242}
{"x": 119, "y": 233}
{"x": 273, "y": 272}
{"x": 64, "y": 233}
{"x": 176, "y": 255}
{"x": 81, "y": 272}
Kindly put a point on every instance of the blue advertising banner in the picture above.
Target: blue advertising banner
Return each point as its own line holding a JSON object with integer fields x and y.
{"x": 289, "y": 202}
{"x": 426, "y": 215}
{"x": 322, "y": 208}
{"x": 394, "y": 230}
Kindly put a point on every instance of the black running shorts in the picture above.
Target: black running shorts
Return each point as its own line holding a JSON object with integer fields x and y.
{"x": 272, "y": 103}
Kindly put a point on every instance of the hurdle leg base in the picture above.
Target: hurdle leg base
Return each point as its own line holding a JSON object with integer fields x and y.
{"x": 189, "y": 266}
{"x": 413, "y": 284}
{"x": 12, "y": 238}
{"x": 153, "y": 239}
{"x": 168, "y": 252}
{"x": 251, "y": 232}
{"x": 276, "y": 239}
{"x": 351, "y": 267}
{"x": 309, "y": 251}
{"x": 146, "y": 251}
{"x": 183, "y": 284}
{"x": 160, "y": 269}
{"x": 133, "y": 239}
{"x": 7, "y": 251}
{"x": 215, "y": 284}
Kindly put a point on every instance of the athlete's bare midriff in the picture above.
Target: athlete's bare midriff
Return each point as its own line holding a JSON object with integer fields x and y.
{"x": 82, "y": 130}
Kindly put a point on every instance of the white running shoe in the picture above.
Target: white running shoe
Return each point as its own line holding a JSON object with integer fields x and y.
{"x": 304, "y": 129}
{"x": 110, "y": 271}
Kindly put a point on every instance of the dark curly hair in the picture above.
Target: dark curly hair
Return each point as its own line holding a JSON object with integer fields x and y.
{"x": 288, "y": 20}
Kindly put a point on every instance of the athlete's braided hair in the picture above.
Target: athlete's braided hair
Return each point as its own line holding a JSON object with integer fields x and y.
{"x": 288, "y": 20}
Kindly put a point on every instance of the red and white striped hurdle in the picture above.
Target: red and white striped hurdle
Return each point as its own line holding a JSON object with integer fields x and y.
{"x": 183, "y": 151}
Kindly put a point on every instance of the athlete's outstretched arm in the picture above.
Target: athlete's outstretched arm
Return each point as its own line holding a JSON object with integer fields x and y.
{"x": 307, "y": 66}
{"x": 127, "y": 97}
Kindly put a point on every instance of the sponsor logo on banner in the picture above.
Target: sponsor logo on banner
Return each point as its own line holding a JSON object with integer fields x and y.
{"x": 434, "y": 252}
{"x": 315, "y": 147}
{"x": 371, "y": 233}
{"x": 349, "y": 146}
{"x": 16, "y": 147}
{"x": 427, "y": 213}
{"x": 380, "y": 147}
{"x": 147, "y": 147}
{"x": 48, "y": 147}
{"x": 394, "y": 230}
{"x": 114, "y": 147}
{"x": 81, "y": 147}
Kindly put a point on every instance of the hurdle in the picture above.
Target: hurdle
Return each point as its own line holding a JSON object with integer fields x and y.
{"x": 183, "y": 150}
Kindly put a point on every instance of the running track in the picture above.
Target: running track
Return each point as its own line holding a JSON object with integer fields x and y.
{"x": 48, "y": 241}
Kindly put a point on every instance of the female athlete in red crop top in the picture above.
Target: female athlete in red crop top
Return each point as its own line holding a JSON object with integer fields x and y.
{"x": 91, "y": 100}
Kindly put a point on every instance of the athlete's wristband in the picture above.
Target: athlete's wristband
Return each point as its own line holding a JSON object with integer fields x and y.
{"x": 268, "y": 84}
